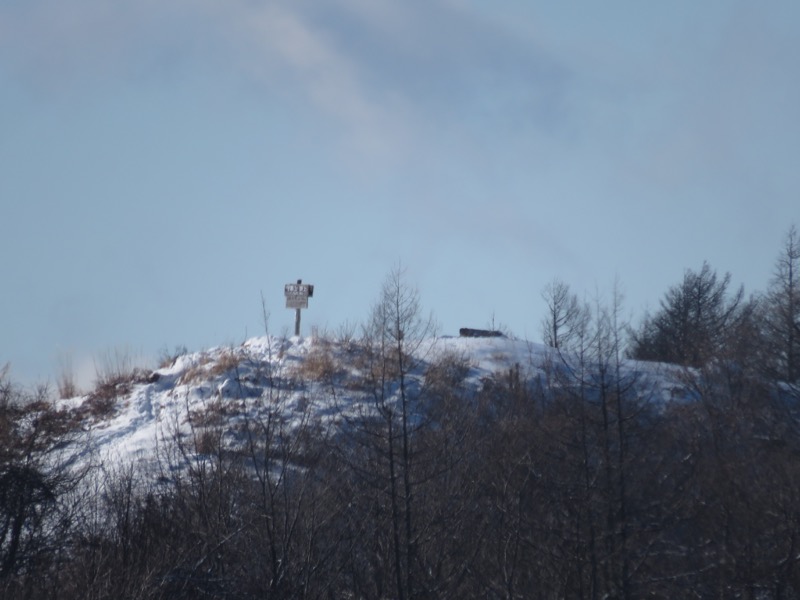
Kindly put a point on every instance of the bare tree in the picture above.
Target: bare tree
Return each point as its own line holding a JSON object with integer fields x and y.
{"x": 566, "y": 317}
{"x": 782, "y": 311}
{"x": 397, "y": 329}
{"x": 38, "y": 472}
{"x": 384, "y": 435}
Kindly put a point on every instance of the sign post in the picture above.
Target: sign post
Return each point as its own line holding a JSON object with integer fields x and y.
{"x": 297, "y": 295}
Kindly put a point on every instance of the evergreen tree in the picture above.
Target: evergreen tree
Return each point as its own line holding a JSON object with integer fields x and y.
{"x": 694, "y": 320}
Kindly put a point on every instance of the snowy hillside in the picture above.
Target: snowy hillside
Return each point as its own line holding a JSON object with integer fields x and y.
{"x": 364, "y": 468}
{"x": 297, "y": 380}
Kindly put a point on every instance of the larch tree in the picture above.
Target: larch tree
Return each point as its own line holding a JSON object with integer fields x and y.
{"x": 385, "y": 456}
{"x": 782, "y": 316}
{"x": 693, "y": 322}
{"x": 566, "y": 317}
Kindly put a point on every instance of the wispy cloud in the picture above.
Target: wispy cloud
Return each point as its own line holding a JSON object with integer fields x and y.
{"x": 394, "y": 81}
{"x": 380, "y": 71}
{"x": 285, "y": 47}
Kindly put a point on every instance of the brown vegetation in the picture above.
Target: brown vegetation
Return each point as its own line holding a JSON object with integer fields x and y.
{"x": 209, "y": 367}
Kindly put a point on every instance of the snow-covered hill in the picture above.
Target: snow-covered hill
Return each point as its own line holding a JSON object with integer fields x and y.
{"x": 303, "y": 463}
{"x": 298, "y": 380}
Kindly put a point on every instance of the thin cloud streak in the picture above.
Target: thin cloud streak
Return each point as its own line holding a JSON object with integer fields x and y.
{"x": 329, "y": 79}
{"x": 384, "y": 74}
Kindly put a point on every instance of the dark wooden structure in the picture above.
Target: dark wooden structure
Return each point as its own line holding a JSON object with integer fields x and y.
{"x": 467, "y": 332}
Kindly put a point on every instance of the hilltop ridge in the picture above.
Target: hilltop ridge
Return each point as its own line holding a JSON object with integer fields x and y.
{"x": 297, "y": 378}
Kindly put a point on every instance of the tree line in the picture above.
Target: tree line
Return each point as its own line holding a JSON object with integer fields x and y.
{"x": 569, "y": 478}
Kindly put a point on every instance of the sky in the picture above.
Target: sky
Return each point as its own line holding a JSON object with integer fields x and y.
{"x": 166, "y": 164}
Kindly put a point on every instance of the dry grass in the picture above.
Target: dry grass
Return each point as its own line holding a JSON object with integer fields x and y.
{"x": 117, "y": 366}
{"x": 208, "y": 368}
{"x": 319, "y": 364}
{"x": 195, "y": 372}
{"x": 102, "y": 400}
{"x": 167, "y": 359}
{"x": 207, "y": 441}
{"x": 229, "y": 361}
{"x": 67, "y": 388}
{"x": 214, "y": 414}
{"x": 100, "y": 406}
{"x": 447, "y": 371}
{"x": 110, "y": 387}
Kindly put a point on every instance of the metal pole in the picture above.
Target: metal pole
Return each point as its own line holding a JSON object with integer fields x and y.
{"x": 297, "y": 316}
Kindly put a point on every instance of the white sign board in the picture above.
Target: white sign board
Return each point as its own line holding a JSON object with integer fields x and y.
{"x": 296, "y": 301}
{"x": 297, "y": 294}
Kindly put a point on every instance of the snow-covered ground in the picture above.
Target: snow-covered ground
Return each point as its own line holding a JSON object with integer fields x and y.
{"x": 292, "y": 378}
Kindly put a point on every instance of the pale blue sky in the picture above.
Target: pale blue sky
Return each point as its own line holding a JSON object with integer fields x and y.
{"x": 164, "y": 162}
